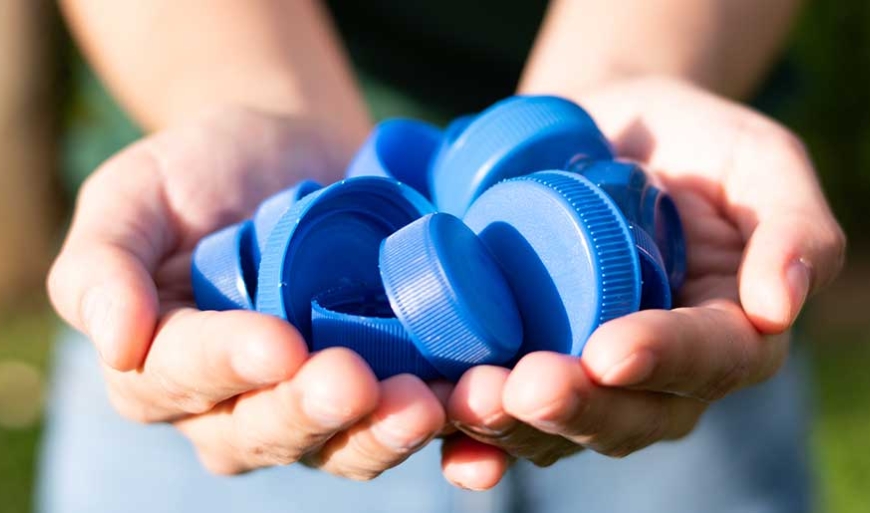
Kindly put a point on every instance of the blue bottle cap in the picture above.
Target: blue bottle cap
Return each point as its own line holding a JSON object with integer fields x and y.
{"x": 644, "y": 205}
{"x": 451, "y": 133}
{"x": 400, "y": 149}
{"x": 450, "y": 294}
{"x": 659, "y": 214}
{"x": 273, "y": 207}
{"x": 364, "y": 322}
{"x": 567, "y": 252}
{"x": 514, "y": 137}
{"x": 330, "y": 240}
{"x": 223, "y": 270}
{"x": 656, "y": 290}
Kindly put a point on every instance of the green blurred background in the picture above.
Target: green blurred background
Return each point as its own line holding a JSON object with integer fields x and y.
{"x": 827, "y": 72}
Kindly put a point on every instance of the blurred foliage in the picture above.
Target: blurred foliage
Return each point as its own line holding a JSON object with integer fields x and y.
{"x": 831, "y": 53}
{"x": 25, "y": 338}
{"x": 840, "y": 441}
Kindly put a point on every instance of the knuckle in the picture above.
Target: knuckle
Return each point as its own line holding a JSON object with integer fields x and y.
{"x": 268, "y": 453}
{"x": 644, "y": 435}
{"x": 134, "y": 411}
{"x": 779, "y": 138}
{"x": 836, "y": 248}
{"x": 266, "y": 450}
{"x": 183, "y": 398}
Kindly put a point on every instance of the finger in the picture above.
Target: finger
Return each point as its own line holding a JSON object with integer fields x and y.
{"x": 551, "y": 392}
{"x": 199, "y": 359}
{"x": 408, "y": 417}
{"x": 703, "y": 352}
{"x": 472, "y": 465}
{"x": 475, "y": 407}
{"x": 332, "y": 391}
{"x": 795, "y": 245}
{"x": 101, "y": 281}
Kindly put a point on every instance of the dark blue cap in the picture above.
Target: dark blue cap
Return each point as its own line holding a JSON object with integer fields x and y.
{"x": 400, "y": 149}
{"x": 450, "y": 294}
{"x": 273, "y": 207}
{"x": 656, "y": 291}
{"x": 514, "y": 137}
{"x": 363, "y": 321}
{"x": 330, "y": 240}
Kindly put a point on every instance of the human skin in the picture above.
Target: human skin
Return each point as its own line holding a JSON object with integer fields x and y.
{"x": 242, "y": 386}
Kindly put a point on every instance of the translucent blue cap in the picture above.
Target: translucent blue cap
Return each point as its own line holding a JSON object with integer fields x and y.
{"x": 567, "y": 253}
{"x": 330, "y": 240}
{"x": 273, "y": 207}
{"x": 645, "y": 206}
{"x": 364, "y": 322}
{"x": 223, "y": 270}
{"x": 656, "y": 290}
{"x": 450, "y": 294}
{"x": 400, "y": 149}
{"x": 514, "y": 137}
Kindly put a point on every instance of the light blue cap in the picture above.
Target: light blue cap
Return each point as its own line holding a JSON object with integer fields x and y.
{"x": 450, "y": 294}
{"x": 401, "y": 149}
{"x": 330, "y": 240}
{"x": 223, "y": 271}
{"x": 273, "y": 207}
{"x": 514, "y": 137}
{"x": 567, "y": 253}
{"x": 363, "y": 321}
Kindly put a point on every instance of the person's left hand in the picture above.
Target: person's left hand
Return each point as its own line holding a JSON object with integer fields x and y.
{"x": 760, "y": 239}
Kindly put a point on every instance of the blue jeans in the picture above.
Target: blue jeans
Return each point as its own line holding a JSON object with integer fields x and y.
{"x": 748, "y": 454}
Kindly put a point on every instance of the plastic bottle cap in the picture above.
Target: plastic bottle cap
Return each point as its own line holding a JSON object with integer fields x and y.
{"x": 273, "y": 207}
{"x": 451, "y": 133}
{"x": 363, "y": 321}
{"x": 223, "y": 270}
{"x": 400, "y": 149}
{"x": 656, "y": 290}
{"x": 330, "y": 240}
{"x": 567, "y": 252}
{"x": 514, "y": 137}
{"x": 644, "y": 205}
{"x": 660, "y": 214}
{"x": 450, "y": 294}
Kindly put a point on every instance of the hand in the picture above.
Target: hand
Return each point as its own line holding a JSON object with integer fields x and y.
{"x": 240, "y": 385}
{"x": 760, "y": 238}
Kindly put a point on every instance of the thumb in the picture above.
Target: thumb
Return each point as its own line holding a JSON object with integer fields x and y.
{"x": 101, "y": 282}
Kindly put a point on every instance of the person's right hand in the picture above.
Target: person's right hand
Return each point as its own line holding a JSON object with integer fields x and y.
{"x": 240, "y": 385}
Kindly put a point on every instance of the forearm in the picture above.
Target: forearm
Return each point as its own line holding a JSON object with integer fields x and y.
{"x": 167, "y": 60}
{"x": 723, "y": 45}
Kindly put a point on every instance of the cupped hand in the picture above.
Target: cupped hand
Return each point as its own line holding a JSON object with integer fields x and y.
{"x": 240, "y": 385}
{"x": 760, "y": 238}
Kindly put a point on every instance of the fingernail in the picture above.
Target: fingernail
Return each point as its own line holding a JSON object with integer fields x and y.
{"x": 328, "y": 416}
{"x": 798, "y": 277}
{"x": 393, "y": 436}
{"x": 96, "y": 314}
{"x": 636, "y": 368}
